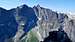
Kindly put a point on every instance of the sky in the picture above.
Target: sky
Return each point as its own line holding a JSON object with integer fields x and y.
{"x": 55, "y": 5}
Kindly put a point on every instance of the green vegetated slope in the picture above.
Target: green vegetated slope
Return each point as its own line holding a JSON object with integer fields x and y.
{"x": 31, "y": 37}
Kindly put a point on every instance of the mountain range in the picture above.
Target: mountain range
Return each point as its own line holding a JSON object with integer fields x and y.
{"x": 34, "y": 24}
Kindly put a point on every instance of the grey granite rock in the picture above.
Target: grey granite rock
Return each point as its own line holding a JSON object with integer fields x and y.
{"x": 51, "y": 21}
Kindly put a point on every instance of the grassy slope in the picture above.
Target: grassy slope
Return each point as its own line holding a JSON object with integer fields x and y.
{"x": 31, "y": 38}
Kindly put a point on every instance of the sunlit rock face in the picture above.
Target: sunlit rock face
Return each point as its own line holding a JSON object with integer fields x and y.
{"x": 52, "y": 21}
{"x": 48, "y": 20}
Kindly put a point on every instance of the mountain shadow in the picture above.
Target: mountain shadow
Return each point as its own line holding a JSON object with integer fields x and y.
{"x": 57, "y": 36}
{"x": 8, "y": 25}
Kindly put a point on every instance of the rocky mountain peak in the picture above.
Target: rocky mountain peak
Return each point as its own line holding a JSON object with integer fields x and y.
{"x": 34, "y": 24}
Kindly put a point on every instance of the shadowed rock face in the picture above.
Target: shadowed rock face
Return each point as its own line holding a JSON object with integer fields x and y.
{"x": 57, "y": 36}
{"x": 31, "y": 18}
{"x": 9, "y": 24}
{"x": 27, "y": 15}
